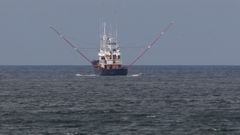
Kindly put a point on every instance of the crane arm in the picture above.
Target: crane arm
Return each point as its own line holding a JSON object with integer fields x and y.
{"x": 70, "y": 44}
{"x": 152, "y": 43}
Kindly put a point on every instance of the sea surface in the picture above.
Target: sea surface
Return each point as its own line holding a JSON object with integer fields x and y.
{"x": 151, "y": 100}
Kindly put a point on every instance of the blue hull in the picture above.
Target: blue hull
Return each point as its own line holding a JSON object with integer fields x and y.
{"x": 111, "y": 72}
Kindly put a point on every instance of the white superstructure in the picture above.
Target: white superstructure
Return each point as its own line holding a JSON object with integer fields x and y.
{"x": 109, "y": 52}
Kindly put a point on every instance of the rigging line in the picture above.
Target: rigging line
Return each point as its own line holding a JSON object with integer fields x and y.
{"x": 81, "y": 42}
{"x": 125, "y": 47}
{"x": 70, "y": 44}
{"x": 132, "y": 47}
{"x": 152, "y": 43}
{"x": 89, "y": 48}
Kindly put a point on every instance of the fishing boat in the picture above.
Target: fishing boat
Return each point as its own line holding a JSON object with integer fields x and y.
{"x": 109, "y": 61}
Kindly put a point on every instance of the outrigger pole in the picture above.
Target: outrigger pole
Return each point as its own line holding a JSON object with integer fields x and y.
{"x": 152, "y": 43}
{"x": 70, "y": 44}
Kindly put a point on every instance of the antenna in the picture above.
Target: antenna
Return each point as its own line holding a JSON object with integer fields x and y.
{"x": 70, "y": 43}
{"x": 152, "y": 43}
{"x": 104, "y": 28}
{"x": 116, "y": 36}
{"x": 111, "y": 30}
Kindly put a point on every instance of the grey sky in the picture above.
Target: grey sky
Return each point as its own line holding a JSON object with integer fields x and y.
{"x": 206, "y": 31}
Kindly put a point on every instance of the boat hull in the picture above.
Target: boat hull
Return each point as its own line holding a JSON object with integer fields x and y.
{"x": 111, "y": 72}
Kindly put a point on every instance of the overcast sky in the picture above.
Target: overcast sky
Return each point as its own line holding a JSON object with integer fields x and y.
{"x": 206, "y": 32}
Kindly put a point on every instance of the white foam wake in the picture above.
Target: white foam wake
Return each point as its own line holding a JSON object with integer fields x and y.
{"x": 90, "y": 75}
{"x": 136, "y": 75}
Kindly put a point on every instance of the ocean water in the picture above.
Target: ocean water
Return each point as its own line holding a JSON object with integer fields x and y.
{"x": 151, "y": 100}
